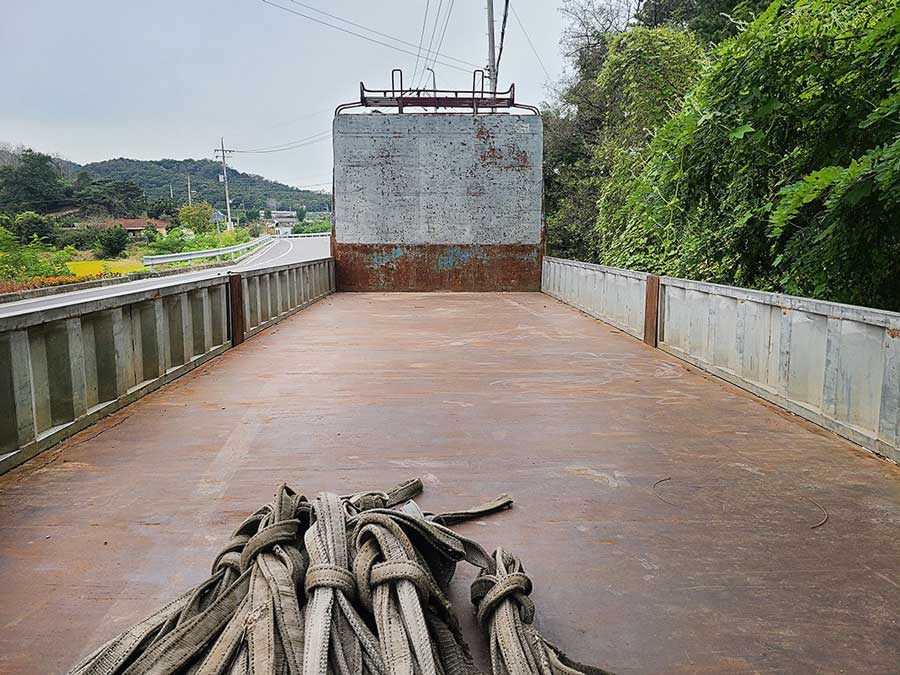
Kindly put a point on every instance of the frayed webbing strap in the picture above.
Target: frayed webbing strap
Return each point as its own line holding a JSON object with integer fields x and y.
{"x": 501, "y": 503}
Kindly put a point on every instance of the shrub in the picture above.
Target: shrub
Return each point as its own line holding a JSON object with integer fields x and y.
{"x": 83, "y": 239}
{"x": 19, "y": 262}
{"x": 111, "y": 243}
{"x": 28, "y": 225}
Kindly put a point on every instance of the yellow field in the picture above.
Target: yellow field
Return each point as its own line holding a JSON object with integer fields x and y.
{"x": 83, "y": 267}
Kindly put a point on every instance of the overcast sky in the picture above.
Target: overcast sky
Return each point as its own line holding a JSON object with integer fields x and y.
{"x": 98, "y": 79}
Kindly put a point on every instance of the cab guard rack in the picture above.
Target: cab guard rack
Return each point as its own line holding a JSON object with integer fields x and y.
{"x": 477, "y": 99}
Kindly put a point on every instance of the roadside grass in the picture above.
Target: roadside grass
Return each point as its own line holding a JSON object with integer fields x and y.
{"x": 121, "y": 266}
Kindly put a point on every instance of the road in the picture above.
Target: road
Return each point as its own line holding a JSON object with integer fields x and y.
{"x": 282, "y": 252}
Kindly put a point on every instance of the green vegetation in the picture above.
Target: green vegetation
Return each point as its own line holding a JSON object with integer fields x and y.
{"x": 179, "y": 240}
{"x": 311, "y": 227}
{"x": 196, "y": 216}
{"x": 33, "y": 181}
{"x": 111, "y": 243}
{"x": 58, "y": 213}
{"x": 770, "y": 160}
{"x": 20, "y": 262}
{"x": 248, "y": 191}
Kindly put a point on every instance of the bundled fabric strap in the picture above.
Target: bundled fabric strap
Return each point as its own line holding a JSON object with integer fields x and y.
{"x": 340, "y": 585}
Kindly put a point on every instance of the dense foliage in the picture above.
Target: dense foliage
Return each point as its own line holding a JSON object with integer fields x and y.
{"x": 777, "y": 168}
{"x": 127, "y": 188}
{"x": 20, "y": 262}
{"x": 112, "y": 242}
{"x": 33, "y": 181}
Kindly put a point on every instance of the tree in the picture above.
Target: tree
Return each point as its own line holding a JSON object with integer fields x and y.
{"x": 120, "y": 199}
{"x": 82, "y": 181}
{"x": 28, "y": 225}
{"x": 782, "y": 169}
{"x": 301, "y": 213}
{"x": 165, "y": 208}
{"x": 112, "y": 243}
{"x": 33, "y": 182}
{"x": 196, "y": 216}
{"x": 151, "y": 234}
{"x": 643, "y": 79}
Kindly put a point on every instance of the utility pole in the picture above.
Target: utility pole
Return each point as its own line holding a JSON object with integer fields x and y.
{"x": 492, "y": 52}
{"x": 190, "y": 200}
{"x": 225, "y": 176}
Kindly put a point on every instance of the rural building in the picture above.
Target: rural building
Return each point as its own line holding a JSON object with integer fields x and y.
{"x": 135, "y": 226}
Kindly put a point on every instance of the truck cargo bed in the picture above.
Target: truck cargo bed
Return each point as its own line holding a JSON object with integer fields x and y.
{"x": 665, "y": 517}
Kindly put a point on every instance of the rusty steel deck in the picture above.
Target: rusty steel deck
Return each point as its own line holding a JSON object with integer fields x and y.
{"x": 716, "y": 570}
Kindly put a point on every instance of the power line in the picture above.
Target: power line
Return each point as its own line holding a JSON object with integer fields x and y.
{"x": 302, "y": 117}
{"x": 372, "y": 30}
{"x": 290, "y": 145}
{"x": 437, "y": 19}
{"x": 530, "y": 43}
{"x": 446, "y": 23}
{"x": 421, "y": 40}
{"x": 366, "y": 37}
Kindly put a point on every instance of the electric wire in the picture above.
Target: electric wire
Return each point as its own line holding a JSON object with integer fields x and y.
{"x": 366, "y": 37}
{"x": 444, "y": 30}
{"x": 421, "y": 40}
{"x": 530, "y": 43}
{"x": 434, "y": 29}
{"x": 372, "y": 30}
{"x": 290, "y": 145}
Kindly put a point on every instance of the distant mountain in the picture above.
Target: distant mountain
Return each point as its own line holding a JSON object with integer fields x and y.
{"x": 249, "y": 190}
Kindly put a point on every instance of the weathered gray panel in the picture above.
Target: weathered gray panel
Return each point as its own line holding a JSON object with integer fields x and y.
{"x": 609, "y": 294}
{"x": 437, "y": 179}
{"x": 833, "y": 364}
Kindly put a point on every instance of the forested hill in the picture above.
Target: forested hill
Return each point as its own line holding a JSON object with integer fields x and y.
{"x": 154, "y": 177}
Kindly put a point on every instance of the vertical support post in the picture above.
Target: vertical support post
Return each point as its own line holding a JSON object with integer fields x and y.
{"x": 124, "y": 355}
{"x": 651, "y": 310}
{"x": 161, "y": 327}
{"x": 236, "y": 308}
{"x": 277, "y": 307}
{"x": 20, "y": 361}
{"x": 76, "y": 366}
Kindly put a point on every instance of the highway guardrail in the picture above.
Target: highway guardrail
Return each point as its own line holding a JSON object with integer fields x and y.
{"x": 190, "y": 256}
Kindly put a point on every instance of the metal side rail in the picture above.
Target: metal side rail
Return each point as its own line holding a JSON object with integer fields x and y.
{"x": 64, "y": 367}
{"x": 190, "y": 256}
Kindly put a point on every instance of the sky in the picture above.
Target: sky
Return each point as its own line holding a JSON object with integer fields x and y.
{"x": 99, "y": 79}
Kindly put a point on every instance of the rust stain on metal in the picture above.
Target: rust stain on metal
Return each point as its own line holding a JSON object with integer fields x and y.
{"x": 438, "y": 267}
{"x": 483, "y": 134}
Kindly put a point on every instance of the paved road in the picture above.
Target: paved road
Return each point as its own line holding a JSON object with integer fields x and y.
{"x": 283, "y": 251}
